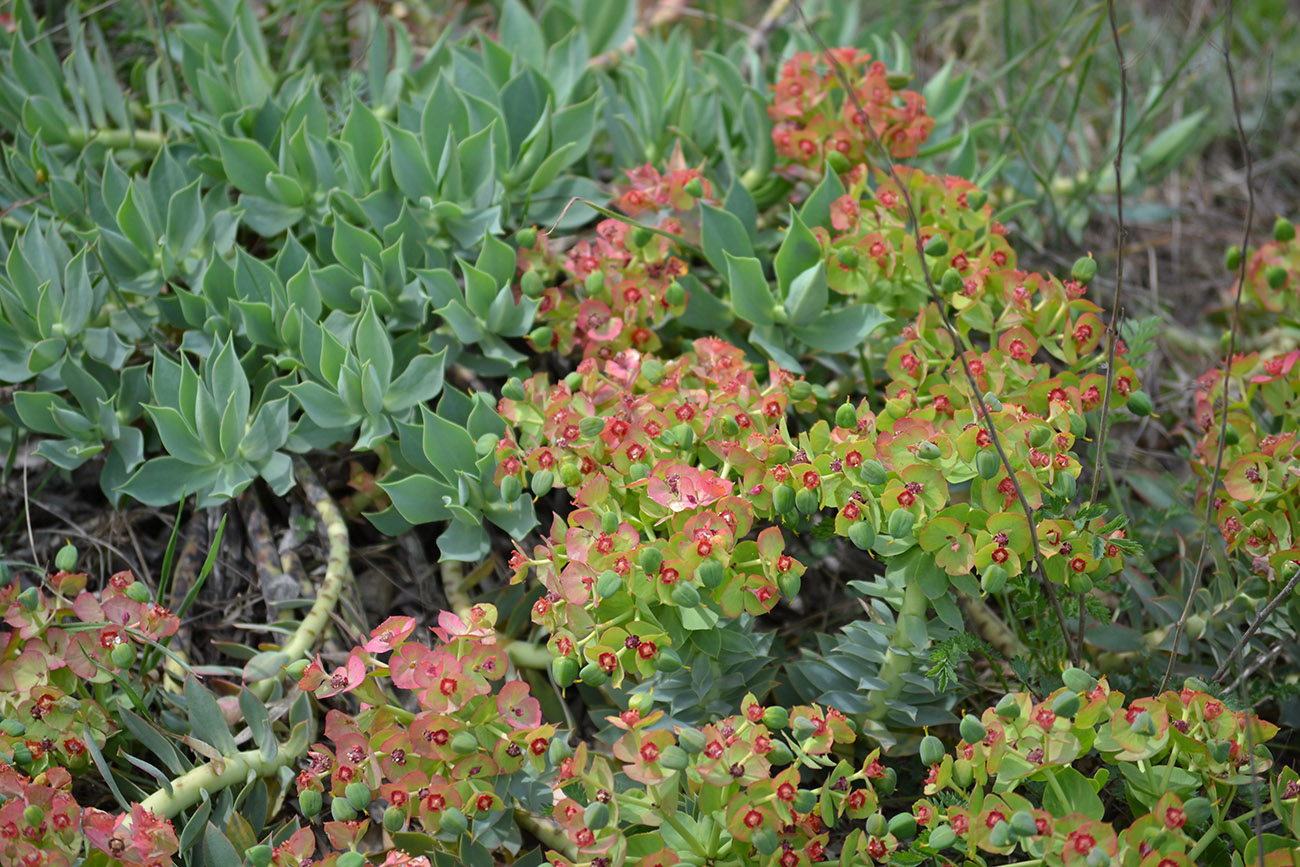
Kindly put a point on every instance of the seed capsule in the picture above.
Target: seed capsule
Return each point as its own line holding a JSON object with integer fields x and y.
{"x": 1084, "y": 270}
{"x": 932, "y": 750}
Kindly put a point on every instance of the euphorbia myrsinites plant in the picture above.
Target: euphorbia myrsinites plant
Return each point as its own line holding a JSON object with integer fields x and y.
{"x": 725, "y": 386}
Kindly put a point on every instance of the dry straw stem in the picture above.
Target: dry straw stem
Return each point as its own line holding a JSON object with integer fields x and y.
{"x": 1244, "y": 143}
{"x": 1112, "y": 327}
{"x": 914, "y": 228}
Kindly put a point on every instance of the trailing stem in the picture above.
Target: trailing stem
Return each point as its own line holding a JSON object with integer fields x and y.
{"x": 899, "y": 656}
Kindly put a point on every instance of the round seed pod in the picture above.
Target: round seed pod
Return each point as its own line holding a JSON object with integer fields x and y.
{"x": 932, "y": 751}
{"x": 342, "y": 810}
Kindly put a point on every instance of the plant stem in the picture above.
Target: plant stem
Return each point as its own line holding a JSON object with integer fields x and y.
{"x": 898, "y": 659}
{"x": 670, "y": 819}
{"x": 524, "y": 654}
{"x": 187, "y": 789}
{"x": 337, "y": 571}
{"x": 548, "y": 833}
{"x": 117, "y": 139}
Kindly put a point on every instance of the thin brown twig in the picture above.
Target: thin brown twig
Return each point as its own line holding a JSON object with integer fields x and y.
{"x": 1112, "y": 327}
{"x": 1232, "y": 349}
{"x": 959, "y": 340}
{"x": 1255, "y": 624}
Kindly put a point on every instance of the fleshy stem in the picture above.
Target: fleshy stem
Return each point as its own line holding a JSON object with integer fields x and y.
{"x": 547, "y": 832}
{"x": 337, "y": 572}
{"x": 959, "y": 340}
{"x": 1227, "y": 359}
{"x": 186, "y": 790}
{"x": 1112, "y": 327}
{"x": 898, "y": 658}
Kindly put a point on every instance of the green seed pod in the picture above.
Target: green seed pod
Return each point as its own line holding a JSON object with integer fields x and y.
{"x": 1008, "y": 707}
{"x": 972, "y": 730}
{"x": 653, "y": 370}
{"x": 936, "y": 247}
{"x": 543, "y": 481}
{"x": 975, "y": 199}
{"x": 992, "y": 401}
{"x": 902, "y": 826}
{"x": 1283, "y": 230}
{"x": 1080, "y": 583}
{"x": 806, "y": 501}
{"x": 511, "y": 488}
{"x": 928, "y": 451}
{"x": 13, "y": 728}
{"x": 729, "y": 428}
{"x": 596, "y": 816}
{"x": 33, "y": 815}
{"x": 900, "y": 523}
{"x": 609, "y": 522}
{"x": 932, "y": 750}
{"x": 862, "y": 534}
{"x": 885, "y": 785}
{"x": 987, "y": 463}
{"x": 963, "y": 774}
{"x": 558, "y": 750}
{"x": 848, "y": 257}
{"x": 123, "y": 655}
{"x": 1023, "y": 824}
{"x": 1144, "y": 725}
{"x": 1065, "y": 486}
{"x": 591, "y": 426}
{"x": 593, "y": 675}
{"x": 358, "y": 793}
{"x": 513, "y": 389}
{"x": 1139, "y": 403}
{"x": 22, "y": 755}
{"x": 570, "y": 475}
{"x": 342, "y": 810}
{"x": 351, "y": 859}
{"x": 789, "y": 584}
{"x": 692, "y": 740}
{"x": 310, "y": 802}
{"x": 1040, "y": 436}
{"x": 452, "y": 821}
{"x": 609, "y": 583}
{"x": 526, "y": 237}
{"x": 684, "y": 435}
{"x": 1066, "y": 704}
{"x": 641, "y": 236}
{"x": 764, "y": 839}
{"x": 897, "y": 80}
{"x": 667, "y": 660}
{"x": 675, "y": 294}
{"x": 573, "y": 380}
{"x": 838, "y": 162}
{"x": 1232, "y": 258}
{"x": 846, "y": 417}
{"x": 394, "y": 820}
{"x": 1230, "y": 436}
{"x": 993, "y": 579}
{"x": 710, "y": 573}
{"x": 259, "y": 855}
{"x": 531, "y": 285}
{"x": 1276, "y": 276}
{"x": 462, "y": 744}
{"x": 29, "y": 599}
{"x": 800, "y": 390}
{"x": 873, "y": 473}
{"x": 565, "y": 670}
{"x": 783, "y": 499}
{"x": 942, "y": 837}
{"x": 543, "y": 337}
{"x": 594, "y": 284}
{"x": 951, "y": 283}
{"x": 1084, "y": 270}
{"x": 1078, "y": 680}
{"x": 776, "y": 717}
{"x": 650, "y": 560}
{"x": 66, "y": 559}
{"x": 685, "y": 596}
{"x": 486, "y": 444}
{"x": 780, "y": 756}
{"x": 137, "y": 592}
{"x": 694, "y": 188}
{"x": 876, "y": 825}
{"x": 1196, "y": 811}
{"x": 1000, "y": 836}
{"x": 674, "y": 758}
{"x": 805, "y": 801}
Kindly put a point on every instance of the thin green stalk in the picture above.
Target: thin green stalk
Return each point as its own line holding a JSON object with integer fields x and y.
{"x": 670, "y": 819}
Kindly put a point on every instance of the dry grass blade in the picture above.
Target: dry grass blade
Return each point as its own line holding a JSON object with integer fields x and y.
{"x": 914, "y": 229}
{"x": 1112, "y": 327}
{"x": 1234, "y": 327}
